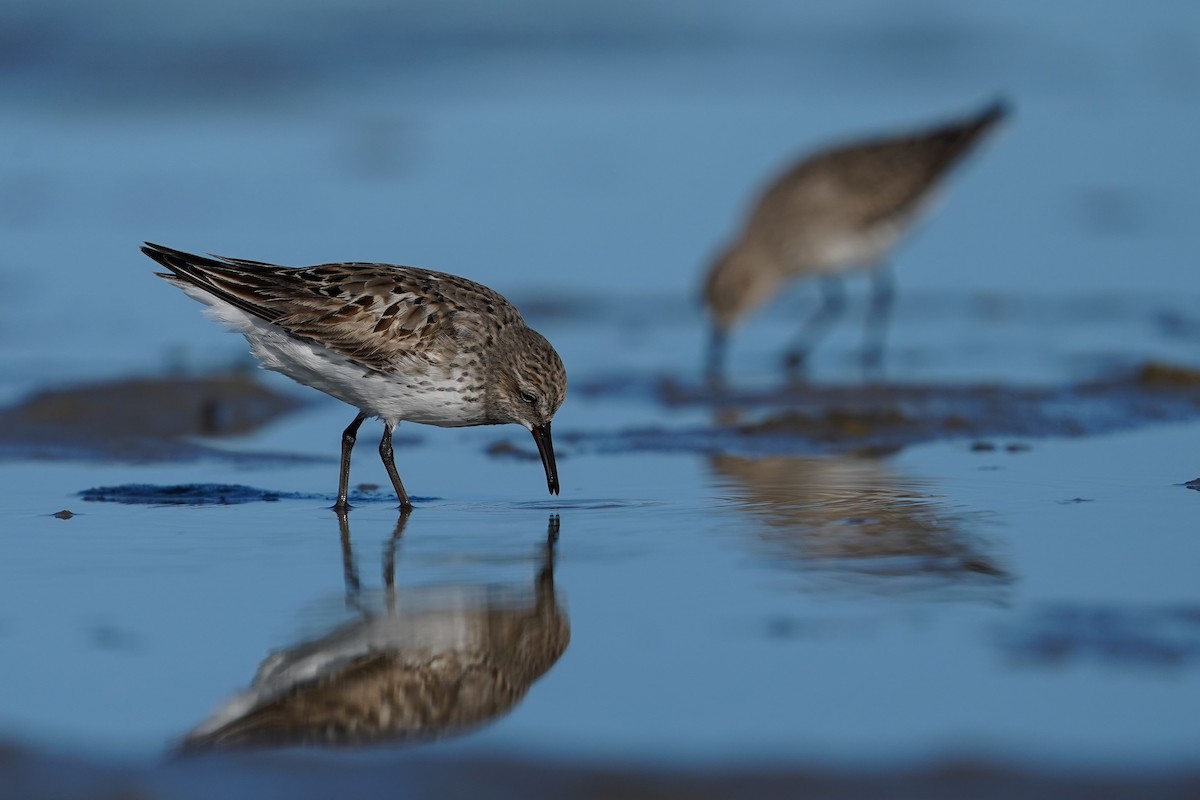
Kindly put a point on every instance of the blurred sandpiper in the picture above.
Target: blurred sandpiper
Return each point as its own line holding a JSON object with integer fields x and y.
{"x": 398, "y": 343}
{"x": 839, "y": 209}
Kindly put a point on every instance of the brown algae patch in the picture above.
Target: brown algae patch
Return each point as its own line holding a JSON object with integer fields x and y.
{"x": 835, "y": 424}
{"x": 884, "y": 417}
{"x": 503, "y": 448}
{"x": 1155, "y": 374}
{"x": 139, "y": 419}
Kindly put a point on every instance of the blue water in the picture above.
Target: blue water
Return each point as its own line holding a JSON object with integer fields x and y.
{"x": 597, "y": 156}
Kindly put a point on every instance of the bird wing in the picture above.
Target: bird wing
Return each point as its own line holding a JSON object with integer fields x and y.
{"x": 375, "y": 315}
{"x": 879, "y": 178}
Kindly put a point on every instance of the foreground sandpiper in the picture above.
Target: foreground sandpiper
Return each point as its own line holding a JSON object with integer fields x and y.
{"x": 836, "y": 210}
{"x": 398, "y": 343}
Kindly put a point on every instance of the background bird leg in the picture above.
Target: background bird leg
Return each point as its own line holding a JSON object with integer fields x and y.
{"x": 833, "y": 304}
{"x": 878, "y": 314}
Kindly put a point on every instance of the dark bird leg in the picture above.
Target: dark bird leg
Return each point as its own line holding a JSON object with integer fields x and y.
{"x": 348, "y": 438}
{"x": 385, "y": 453}
{"x": 878, "y": 313}
{"x": 545, "y": 579}
{"x": 389, "y": 557}
{"x": 349, "y": 570}
{"x": 715, "y": 358}
{"x": 833, "y": 303}
{"x": 389, "y": 549}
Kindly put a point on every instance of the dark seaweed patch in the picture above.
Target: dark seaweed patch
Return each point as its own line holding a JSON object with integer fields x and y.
{"x": 1147, "y": 637}
{"x": 213, "y": 494}
{"x": 886, "y": 417}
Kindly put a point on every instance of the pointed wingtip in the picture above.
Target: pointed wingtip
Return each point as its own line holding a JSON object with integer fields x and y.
{"x": 159, "y": 253}
{"x": 1000, "y": 108}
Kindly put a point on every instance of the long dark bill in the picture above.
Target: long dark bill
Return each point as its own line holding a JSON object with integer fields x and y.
{"x": 545, "y": 445}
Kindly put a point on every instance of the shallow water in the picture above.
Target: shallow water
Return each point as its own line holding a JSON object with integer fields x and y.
{"x": 1019, "y": 584}
{"x": 728, "y": 608}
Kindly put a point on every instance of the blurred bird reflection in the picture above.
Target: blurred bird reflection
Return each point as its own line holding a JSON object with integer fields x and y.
{"x": 853, "y": 517}
{"x": 419, "y": 664}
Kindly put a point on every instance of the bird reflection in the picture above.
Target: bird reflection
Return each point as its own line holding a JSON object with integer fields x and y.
{"x": 853, "y": 516}
{"x": 419, "y": 664}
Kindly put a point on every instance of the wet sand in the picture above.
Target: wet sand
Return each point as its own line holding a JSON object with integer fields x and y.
{"x": 31, "y": 776}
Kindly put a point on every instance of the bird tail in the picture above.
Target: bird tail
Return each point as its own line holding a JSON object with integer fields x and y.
{"x": 229, "y": 279}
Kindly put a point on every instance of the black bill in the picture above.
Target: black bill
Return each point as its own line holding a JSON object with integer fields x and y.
{"x": 541, "y": 435}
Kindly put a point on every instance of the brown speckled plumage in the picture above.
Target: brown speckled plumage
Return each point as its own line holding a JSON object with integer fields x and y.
{"x": 398, "y": 343}
{"x": 375, "y": 315}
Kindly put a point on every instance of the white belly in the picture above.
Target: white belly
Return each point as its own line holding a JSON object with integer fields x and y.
{"x": 860, "y": 249}
{"x": 430, "y": 396}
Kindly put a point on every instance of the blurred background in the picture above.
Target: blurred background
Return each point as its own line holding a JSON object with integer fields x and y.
{"x": 596, "y": 150}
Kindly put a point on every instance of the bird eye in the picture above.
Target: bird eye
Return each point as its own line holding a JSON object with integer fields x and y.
{"x": 529, "y": 398}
